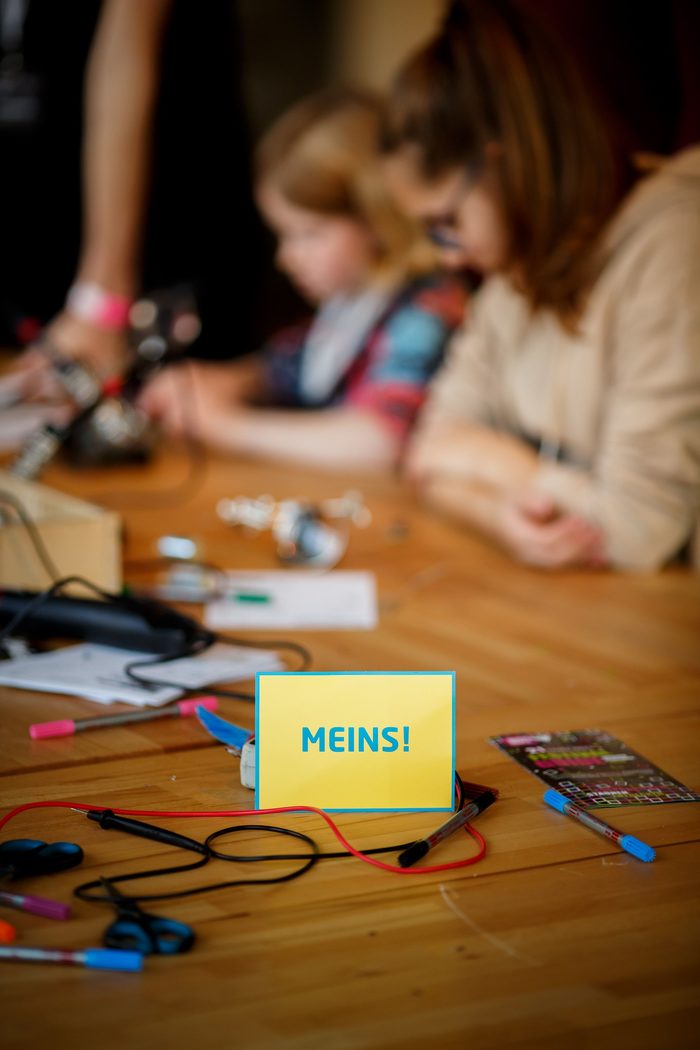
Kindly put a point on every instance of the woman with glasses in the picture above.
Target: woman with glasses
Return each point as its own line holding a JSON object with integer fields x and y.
{"x": 565, "y": 424}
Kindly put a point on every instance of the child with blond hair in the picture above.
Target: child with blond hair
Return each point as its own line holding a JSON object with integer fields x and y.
{"x": 343, "y": 389}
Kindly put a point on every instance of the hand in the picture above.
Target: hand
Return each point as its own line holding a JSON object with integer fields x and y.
{"x": 167, "y": 398}
{"x": 192, "y": 399}
{"x": 32, "y": 377}
{"x": 533, "y": 529}
{"x": 104, "y": 350}
{"x": 472, "y": 453}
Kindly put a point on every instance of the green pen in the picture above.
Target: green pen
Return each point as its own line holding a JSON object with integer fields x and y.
{"x": 248, "y": 596}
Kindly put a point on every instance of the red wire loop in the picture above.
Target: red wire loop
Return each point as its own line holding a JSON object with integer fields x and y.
{"x": 426, "y": 870}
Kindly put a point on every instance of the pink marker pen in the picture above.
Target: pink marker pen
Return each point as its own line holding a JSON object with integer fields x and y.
{"x": 69, "y": 726}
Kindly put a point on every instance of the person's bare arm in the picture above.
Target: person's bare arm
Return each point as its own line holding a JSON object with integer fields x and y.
{"x": 121, "y": 86}
{"x": 329, "y": 439}
{"x": 212, "y": 404}
{"x": 187, "y": 390}
{"x": 120, "y": 89}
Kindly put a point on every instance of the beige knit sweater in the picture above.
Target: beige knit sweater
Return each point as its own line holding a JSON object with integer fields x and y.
{"x": 621, "y": 399}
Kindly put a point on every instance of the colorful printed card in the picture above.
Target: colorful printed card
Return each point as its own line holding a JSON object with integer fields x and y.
{"x": 593, "y": 769}
{"x": 371, "y": 740}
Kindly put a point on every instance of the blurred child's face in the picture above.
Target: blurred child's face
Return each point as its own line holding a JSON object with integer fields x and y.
{"x": 462, "y": 219}
{"x": 323, "y": 255}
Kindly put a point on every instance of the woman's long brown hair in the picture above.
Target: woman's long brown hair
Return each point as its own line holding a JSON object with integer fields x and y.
{"x": 494, "y": 94}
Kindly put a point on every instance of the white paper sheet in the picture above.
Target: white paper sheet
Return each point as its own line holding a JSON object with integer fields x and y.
{"x": 296, "y": 599}
{"x": 96, "y": 672}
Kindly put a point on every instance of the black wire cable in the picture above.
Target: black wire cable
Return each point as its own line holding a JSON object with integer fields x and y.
{"x": 208, "y": 638}
{"x": 193, "y": 649}
{"x": 308, "y": 861}
{"x": 270, "y": 643}
{"x": 33, "y": 533}
{"x": 82, "y": 894}
{"x": 243, "y": 858}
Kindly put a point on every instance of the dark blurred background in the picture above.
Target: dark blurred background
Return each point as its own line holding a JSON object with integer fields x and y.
{"x": 228, "y": 68}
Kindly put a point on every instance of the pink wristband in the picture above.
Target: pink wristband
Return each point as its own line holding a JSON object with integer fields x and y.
{"x": 92, "y": 303}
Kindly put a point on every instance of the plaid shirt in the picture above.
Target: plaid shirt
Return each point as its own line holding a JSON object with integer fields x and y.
{"x": 390, "y": 374}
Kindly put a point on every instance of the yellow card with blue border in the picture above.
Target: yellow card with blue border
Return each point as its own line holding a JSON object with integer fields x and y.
{"x": 355, "y": 740}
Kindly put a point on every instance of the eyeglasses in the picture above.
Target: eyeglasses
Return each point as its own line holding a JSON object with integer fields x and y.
{"x": 439, "y": 235}
{"x": 444, "y": 232}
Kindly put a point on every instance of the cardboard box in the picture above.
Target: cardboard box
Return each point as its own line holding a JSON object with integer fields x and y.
{"x": 80, "y": 538}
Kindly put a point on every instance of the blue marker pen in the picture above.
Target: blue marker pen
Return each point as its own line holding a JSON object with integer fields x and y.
{"x": 627, "y": 842}
{"x": 94, "y": 958}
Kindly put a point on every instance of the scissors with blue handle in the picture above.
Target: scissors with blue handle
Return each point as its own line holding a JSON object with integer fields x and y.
{"x": 20, "y": 858}
{"x": 136, "y": 930}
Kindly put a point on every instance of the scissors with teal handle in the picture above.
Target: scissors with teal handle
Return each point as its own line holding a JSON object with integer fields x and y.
{"x": 136, "y": 930}
{"x": 21, "y": 858}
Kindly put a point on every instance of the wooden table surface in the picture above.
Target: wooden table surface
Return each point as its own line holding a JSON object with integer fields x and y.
{"x": 556, "y": 938}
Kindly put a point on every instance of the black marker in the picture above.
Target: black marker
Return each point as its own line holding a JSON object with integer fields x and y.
{"x": 472, "y": 809}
